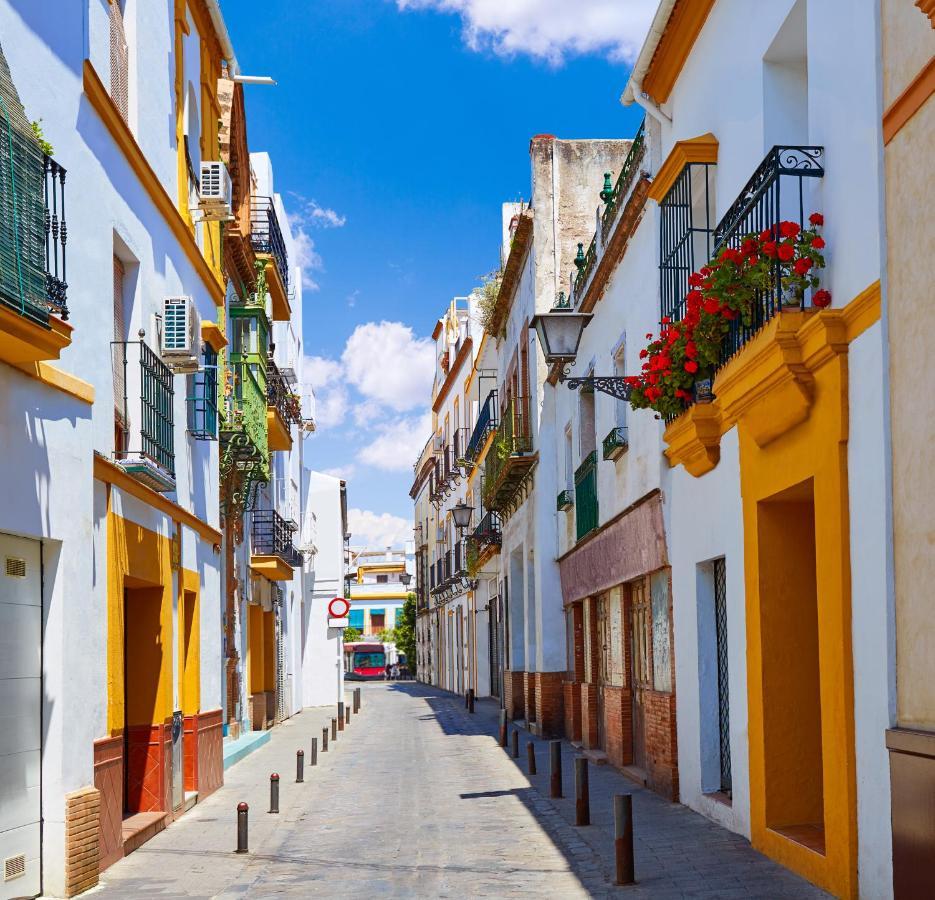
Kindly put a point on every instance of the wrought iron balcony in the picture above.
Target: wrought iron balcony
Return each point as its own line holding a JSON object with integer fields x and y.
{"x": 632, "y": 166}
{"x": 510, "y": 459}
{"x": 565, "y": 500}
{"x": 586, "y": 506}
{"x": 271, "y": 535}
{"x": 616, "y": 443}
{"x": 32, "y": 241}
{"x": 776, "y": 192}
{"x": 202, "y": 401}
{"x": 145, "y": 414}
{"x": 245, "y": 407}
{"x": 488, "y": 532}
{"x": 487, "y": 421}
{"x": 266, "y": 235}
{"x": 585, "y": 261}
{"x": 280, "y": 396}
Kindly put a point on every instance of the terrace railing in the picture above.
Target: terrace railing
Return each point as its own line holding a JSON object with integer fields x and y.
{"x": 487, "y": 421}
{"x": 266, "y": 235}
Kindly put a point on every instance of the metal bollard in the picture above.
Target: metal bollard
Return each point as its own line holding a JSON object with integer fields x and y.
{"x": 555, "y": 768}
{"x": 623, "y": 838}
{"x": 467, "y": 695}
{"x": 471, "y": 701}
{"x": 502, "y": 727}
{"x": 514, "y": 744}
{"x": 299, "y": 766}
{"x": 274, "y": 793}
{"x": 340, "y": 717}
{"x": 582, "y": 796}
{"x": 334, "y": 729}
{"x": 347, "y": 715}
{"x": 358, "y": 699}
{"x": 242, "y": 809}
{"x": 313, "y": 759}
{"x": 531, "y": 757}
{"x": 324, "y": 740}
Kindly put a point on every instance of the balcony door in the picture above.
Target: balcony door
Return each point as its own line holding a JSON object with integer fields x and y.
{"x": 641, "y": 673}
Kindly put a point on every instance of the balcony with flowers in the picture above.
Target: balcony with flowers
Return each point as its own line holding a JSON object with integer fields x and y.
{"x": 511, "y": 459}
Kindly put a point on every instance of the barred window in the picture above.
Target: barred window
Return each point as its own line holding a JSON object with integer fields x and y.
{"x": 686, "y": 224}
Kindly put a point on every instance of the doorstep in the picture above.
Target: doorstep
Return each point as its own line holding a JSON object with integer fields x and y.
{"x": 138, "y": 828}
{"x": 191, "y": 798}
{"x": 598, "y": 757}
{"x": 235, "y": 751}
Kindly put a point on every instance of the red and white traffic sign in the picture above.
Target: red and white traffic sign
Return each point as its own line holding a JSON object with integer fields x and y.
{"x": 339, "y": 608}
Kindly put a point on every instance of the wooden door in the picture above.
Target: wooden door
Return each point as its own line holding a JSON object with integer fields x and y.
{"x": 603, "y": 661}
{"x": 641, "y": 675}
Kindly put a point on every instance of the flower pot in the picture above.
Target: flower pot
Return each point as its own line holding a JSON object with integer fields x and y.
{"x": 703, "y": 390}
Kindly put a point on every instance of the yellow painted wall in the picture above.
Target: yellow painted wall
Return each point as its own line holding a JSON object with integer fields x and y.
{"x": 814, "y": 451}
{"x": 190, "y": 643}
{"x": 255, "y": 648}
{"x": 269, "y": 651}
{"x": 138, "y": 561}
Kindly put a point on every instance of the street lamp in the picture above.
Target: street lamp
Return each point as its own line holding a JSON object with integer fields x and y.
{"x": 462, "y": 515}
{"x": 559, "y": 332}
{"x": 405, "y": 578}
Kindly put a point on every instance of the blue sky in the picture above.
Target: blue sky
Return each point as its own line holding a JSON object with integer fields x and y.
{"x": 396, "y": 130}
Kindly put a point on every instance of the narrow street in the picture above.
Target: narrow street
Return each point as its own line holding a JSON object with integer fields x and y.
{"x": 416, "y": 799}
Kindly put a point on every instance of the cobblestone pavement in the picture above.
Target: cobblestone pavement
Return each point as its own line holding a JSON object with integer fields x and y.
{"x": 417, "y": 800}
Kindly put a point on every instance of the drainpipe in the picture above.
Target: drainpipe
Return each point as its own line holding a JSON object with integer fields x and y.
{"x": 644, "y": 100}
{"x": 634, "y": 89}
{"x": 227, "y": 48}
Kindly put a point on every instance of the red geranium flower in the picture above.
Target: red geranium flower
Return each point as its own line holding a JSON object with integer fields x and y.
{"x": 788, "y": 229}
{"x": 666, "y": 320}
{"x": 644, "y": 353}
{"x": 748, "y": 246}
{"x": 691, "y": 366}
{"x": 816, "y": 219}
{"x": 649, "y": 337}
{"x": 766, "y": 234}
{"x": 785, "y": 252}
{"x": 711, "y": 306}
{"x": 769, "y": 248}
{"x": 695, "y": 279}
{"x": 821, "y": 298}
{"x": 691, "y": 351}
{"x": 818, "y": 243}
{"x": 802, "y": 265}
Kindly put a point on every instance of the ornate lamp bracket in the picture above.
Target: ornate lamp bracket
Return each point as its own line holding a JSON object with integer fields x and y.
{"x": 615, "y": 385}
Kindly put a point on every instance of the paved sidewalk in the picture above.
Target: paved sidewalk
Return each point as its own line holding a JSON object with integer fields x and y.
{"x": 417, "y": 800}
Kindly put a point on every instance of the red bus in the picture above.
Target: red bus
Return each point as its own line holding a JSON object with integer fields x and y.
{"x": 364, "y": 661}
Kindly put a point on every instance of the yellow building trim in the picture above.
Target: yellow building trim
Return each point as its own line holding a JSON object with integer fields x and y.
{"x": 189, "y": 628}
{"x": 255, "y": 645}
{"x": 271, "y": 567}
{"x": 277, "y": 290}
{"x": 277, "y": 432}
{"x": 25, "y": 341}
{"x": 395, "y": 595}
{"x": 909, "y": 102}
{"x": 862, "y": 312}
{"x": 269, "y": 650}
{"x": 102, "y": 103}
{"x": 139, "y": 618}
{"x": 685, "y": 23}
{"x": 55, "y": 378}
{"x": 701, "y": 149}
{"x": 694, "y": 439}
{"x": 213, "y": 335}
{"x": 109, "y": 473}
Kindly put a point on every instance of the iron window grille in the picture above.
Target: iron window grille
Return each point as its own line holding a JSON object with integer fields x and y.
{"x": 266, "y": 235}
{"x": 685, "y": 234}
{"x": 271, "y": 535}
{"x": 151, "y": 422}
{"x": 723, "y": 688}
{"x": 202, "y": 401}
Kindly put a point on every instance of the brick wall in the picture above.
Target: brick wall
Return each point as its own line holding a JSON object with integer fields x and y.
{"x": 572, "y": 710}
{"x": 513, "y": 697}
{"x": 618, "y": 725}
{"x": 82, "y": 843}
{"x": 661, "y": 748}
{"x": 549, "y": 703}
{"x": 589, "y": 716}
{"x": 529, "y": 696}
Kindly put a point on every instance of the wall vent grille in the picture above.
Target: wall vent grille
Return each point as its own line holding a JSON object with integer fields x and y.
{"x": 14, "y": 866}
{"x": 15, "y": 567}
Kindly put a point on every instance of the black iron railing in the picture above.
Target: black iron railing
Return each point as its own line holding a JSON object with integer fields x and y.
{"x": 775, "y": 193}
{"x": 266, "y": 235}
{"x": 271, "y": 535}
{"x": 279, "y": 395}
{"x": 487, "y": 421}
{"x": 150, "y": 423}
{"x": 632, "y": 166}
{"x": 585, "y": 270}
{"x": 686, "y": 224}
{"x": 488, "y": 531}
{"x": 512, "y": 440}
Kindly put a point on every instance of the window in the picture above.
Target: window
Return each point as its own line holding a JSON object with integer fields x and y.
{"x": 121, "y": 424}
{"x": 119, "y": 61}
{"x": 203, "y": 398}
{"x": 377, "y": 620}
{"x": 661, "y": 642}
{"x": 586, "y": 440}
{"x": 785, "y": 83}
{"x": 686, "y": 223}
{"x": 620, "y": 369}
{"x": 382, "y": 579}
{"x": 611, "y": 638}
{"x": 355, "y": 619}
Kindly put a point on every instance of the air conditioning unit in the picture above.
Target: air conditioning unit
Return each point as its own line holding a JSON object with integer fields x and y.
{"x": 215, "y": 191}
{"x": 181, "y": 334}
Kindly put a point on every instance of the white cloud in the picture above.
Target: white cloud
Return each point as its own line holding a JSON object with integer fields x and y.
{"x": 326, "y": 378}
{"x": 367, "y": 413}
{"x": 343, "y": 472}
{"x": 324, "y": 216}
{"x": 387, "y": 363}
{"x": 306, "y": 256}
{"x": 377, "y": 530}
{"x": 394, "y": 446}
{"x": 549, "y": 29}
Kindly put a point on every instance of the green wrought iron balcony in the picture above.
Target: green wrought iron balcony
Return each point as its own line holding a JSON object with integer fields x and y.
{"x": 146, "y": 432}
{"x": 245, "y": 409}
{"x": 616, "y": 443}
{"x": 510, "y": 459}
{"x": 586, "y": 507}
